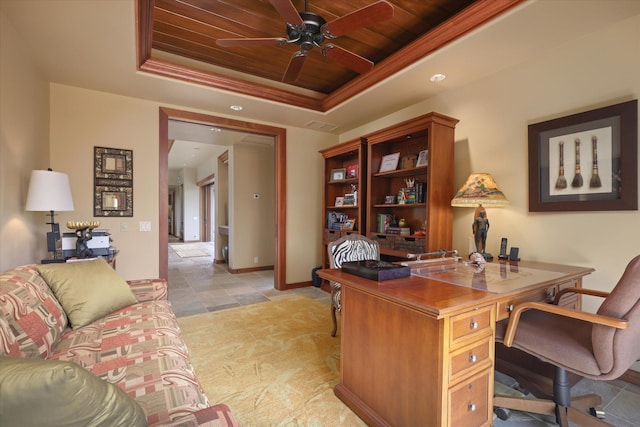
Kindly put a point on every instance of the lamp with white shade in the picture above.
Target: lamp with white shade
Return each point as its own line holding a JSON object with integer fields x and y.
{"x": 50, "y": 191}
{"x": 479, "y": 191}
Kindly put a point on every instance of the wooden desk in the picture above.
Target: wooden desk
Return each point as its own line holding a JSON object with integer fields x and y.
{"x": 420, "y": 351}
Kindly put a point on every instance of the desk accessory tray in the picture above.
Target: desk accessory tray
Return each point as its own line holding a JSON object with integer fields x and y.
{"x": 376, "y": 270}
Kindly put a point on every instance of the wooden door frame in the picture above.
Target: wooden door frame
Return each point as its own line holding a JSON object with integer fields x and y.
{"x": 280, "y": 136}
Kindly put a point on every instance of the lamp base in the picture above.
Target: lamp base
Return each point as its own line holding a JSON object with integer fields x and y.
{"x": 487, "y": 256}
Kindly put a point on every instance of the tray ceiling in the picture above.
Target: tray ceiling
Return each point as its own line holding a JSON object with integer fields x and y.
{"x": 178, "y": 39}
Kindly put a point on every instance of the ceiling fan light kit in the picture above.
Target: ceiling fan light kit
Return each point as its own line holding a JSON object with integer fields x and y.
{"x": 308, "y": 30}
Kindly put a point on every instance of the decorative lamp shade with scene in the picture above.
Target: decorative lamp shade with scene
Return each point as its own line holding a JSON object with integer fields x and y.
{"x": 479, "y": 191}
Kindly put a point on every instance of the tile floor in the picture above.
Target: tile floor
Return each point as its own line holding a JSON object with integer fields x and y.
{"x": 196, "y": 285}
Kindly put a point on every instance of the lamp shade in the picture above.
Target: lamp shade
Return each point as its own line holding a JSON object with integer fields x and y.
{"x": 49, "y": 191}
{"x": 480, "y": 189}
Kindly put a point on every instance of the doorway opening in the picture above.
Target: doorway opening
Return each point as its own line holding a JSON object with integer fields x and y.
{"x": 279, "y": 135}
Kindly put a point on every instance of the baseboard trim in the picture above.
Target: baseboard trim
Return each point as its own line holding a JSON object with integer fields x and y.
{"x": 249, "y": 270}
{"x": 298, "y": 285}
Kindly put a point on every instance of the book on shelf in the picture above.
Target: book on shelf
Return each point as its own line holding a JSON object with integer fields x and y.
{"x": 410, "y": 195}
{"x": 420, "y": 192}
{"x": 335, "y": 219}
{"x": 403, "y": 231}
{"x": 384, "y": 222}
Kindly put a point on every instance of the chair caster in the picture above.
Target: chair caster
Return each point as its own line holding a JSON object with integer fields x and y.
{"x": 502, "y": 413}
{"x": 597, "y": 413}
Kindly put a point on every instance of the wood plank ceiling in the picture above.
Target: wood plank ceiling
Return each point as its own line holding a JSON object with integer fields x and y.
{"x": 177, "y": 38}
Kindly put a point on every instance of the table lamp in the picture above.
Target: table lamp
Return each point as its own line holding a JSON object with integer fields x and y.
{"x": 480, "y": 190}
{"x": 50, "y": 191}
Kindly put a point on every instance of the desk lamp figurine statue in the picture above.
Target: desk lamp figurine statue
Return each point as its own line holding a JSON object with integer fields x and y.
{"x": 480, "y": 190}
{"x": 480, "y": 229}
{"x": 84, "y": 233}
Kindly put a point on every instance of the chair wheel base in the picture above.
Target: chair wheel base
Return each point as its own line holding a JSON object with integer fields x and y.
{"x": 502, "y": 413}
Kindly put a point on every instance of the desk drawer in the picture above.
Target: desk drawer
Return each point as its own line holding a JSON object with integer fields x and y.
{"x": 470, "y": 325}
{"x": 475, "y": 356}
{"x": 469, "y": 401}
{"x": 539, "y": 295}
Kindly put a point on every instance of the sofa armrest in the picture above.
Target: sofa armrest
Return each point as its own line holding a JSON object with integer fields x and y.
{"x": 214, "y": 416}
{"x": 149, "y": 289}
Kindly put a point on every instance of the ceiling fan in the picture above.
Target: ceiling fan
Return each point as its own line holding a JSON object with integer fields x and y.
{"x": 307, "y": 29}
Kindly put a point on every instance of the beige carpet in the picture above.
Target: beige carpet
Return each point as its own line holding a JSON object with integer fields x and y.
{"x": 186, "y": 250}
{"x": 273, "y": 363}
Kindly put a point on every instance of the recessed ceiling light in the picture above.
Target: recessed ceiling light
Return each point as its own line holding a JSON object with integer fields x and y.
{"x": 437, "y": 77}
{"x": 236, "y": 107}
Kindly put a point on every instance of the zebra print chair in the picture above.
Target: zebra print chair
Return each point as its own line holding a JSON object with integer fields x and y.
{"x": 352, "y": 247}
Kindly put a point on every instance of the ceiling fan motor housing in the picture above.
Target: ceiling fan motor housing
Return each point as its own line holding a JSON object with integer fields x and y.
{"x": 309, "y": 34}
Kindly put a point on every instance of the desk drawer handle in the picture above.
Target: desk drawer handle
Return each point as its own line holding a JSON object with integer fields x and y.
{"x": 473, "y": 325}
{"x": 510, "y": 308}
{"x": 473, "y": 358}
{"x": 472, "y": 407}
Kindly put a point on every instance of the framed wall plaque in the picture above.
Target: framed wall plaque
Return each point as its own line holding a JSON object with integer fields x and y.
{"x": 585, "y": 161}
{"x": 113, "y": 182}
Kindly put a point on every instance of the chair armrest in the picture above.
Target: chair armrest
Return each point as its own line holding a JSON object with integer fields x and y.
{"x": 562, "y": 311}
{"x": 149, "y": 289}
{"x": 213, "y": 416}
{"x": 582, "y": 291}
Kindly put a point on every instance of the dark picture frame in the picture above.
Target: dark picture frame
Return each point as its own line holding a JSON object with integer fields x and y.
{"x": 586, "y": 161}
{"x": 338, "y": 174}
{"x": 348, "y": 225}
{"x": 113, "y": 182}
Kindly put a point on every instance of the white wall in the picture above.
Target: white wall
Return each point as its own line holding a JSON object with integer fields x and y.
{"x": 252, "y": 220}
{"x": 210, "y": 165}
{"x": 600, "y": 69}
{"x": 24, "y": 146}
{"x": 191, "y": 200}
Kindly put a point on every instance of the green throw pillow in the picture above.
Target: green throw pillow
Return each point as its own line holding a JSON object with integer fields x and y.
{"x": 87, "y": 290}
{"x": 36, "y": 392}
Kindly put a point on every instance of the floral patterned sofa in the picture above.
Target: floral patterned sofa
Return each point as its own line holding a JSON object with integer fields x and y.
{"x": 137, "y": 347}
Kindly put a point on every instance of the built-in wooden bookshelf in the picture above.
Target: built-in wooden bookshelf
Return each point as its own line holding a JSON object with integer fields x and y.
{"x": 338, "y": 161}
{"x": 428, "y": 213}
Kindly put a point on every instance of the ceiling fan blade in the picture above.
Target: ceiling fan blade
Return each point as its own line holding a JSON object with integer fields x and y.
{"x": 288, "y": 11}
{"x": 265, "y": 41}
{"x": 347, "y": 58}
{"x": 363, "y": 17}
{"x": 294, "y": 67}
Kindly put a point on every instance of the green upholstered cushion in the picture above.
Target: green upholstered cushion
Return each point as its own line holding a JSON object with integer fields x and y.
{"x": 38, "y": 392}
{"x": 87, "y": 290}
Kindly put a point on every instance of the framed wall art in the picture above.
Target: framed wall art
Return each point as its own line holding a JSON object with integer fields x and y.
{"x": 585, "y": 161}
{"x": 113, "y": 182}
